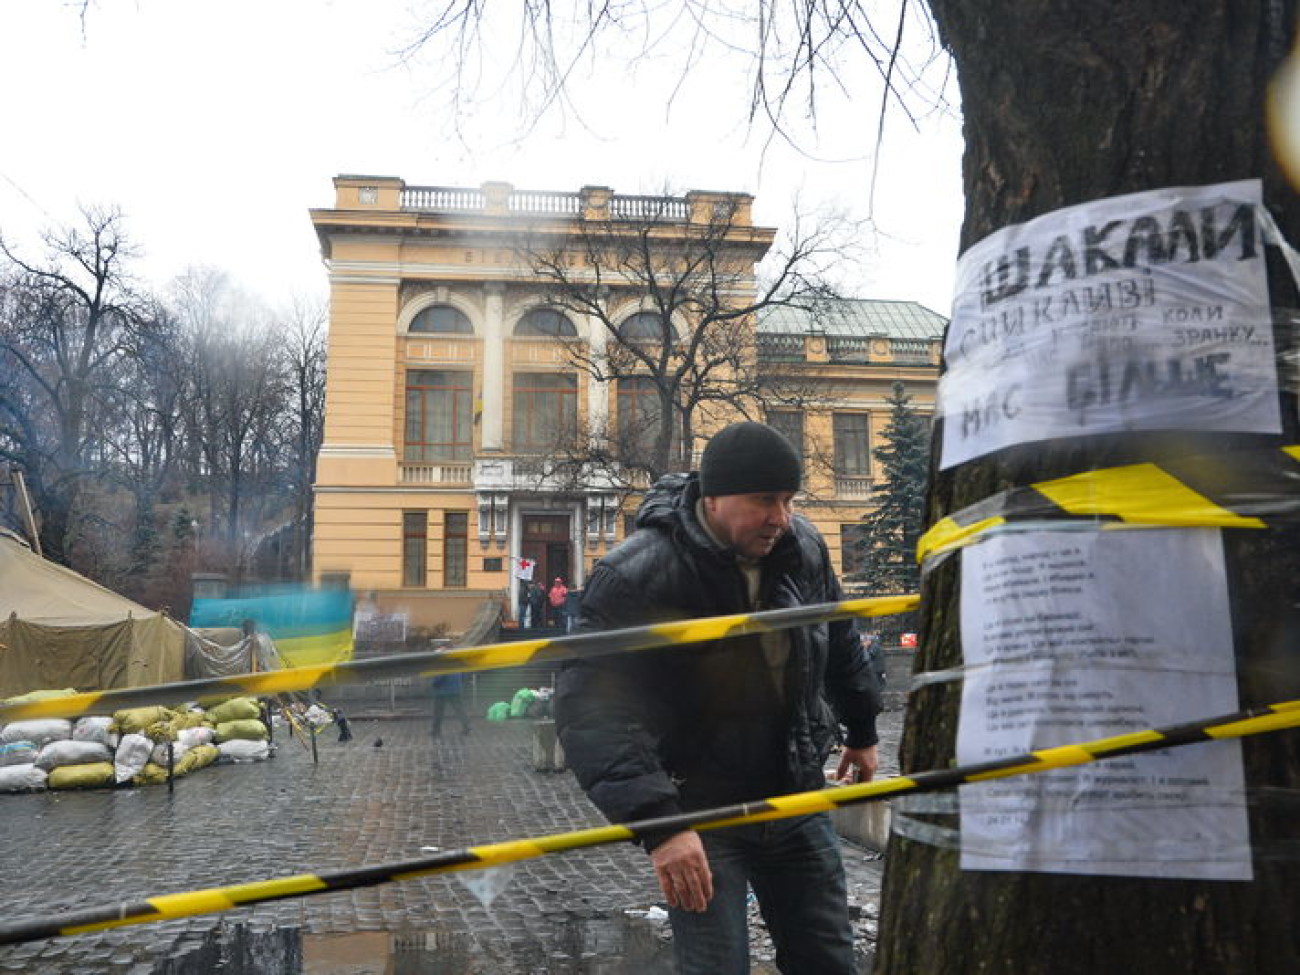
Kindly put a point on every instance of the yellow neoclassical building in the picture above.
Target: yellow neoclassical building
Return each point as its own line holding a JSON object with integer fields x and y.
{"x": 451, "y": 371}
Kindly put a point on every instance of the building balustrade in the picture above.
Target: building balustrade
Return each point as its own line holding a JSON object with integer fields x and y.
{"x": 458, "y": 474}
{"x": 852, "y": 488}
{"x": 613, "y": 206}
{"x": 847, "y": 349}
{"x": 669, "y": 209}
{"x": 545, "y": 201}
{"x": 442, "y": 199}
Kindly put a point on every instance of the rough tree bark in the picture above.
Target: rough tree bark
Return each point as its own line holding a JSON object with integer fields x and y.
{"x": 1067, "y": 102}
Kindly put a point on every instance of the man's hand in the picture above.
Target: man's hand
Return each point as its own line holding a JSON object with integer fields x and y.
{"x": 683, "y": 871}
{"x": 858, "y": 765}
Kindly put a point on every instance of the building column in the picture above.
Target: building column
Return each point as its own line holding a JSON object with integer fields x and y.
{"x": 597, "y": 391}
{"x": 493, "y": 430}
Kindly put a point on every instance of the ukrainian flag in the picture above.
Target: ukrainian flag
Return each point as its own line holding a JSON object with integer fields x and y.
{"x": 309, "y": 626}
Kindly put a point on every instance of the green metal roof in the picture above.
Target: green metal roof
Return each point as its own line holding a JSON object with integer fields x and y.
{"x": 855, "y": 317}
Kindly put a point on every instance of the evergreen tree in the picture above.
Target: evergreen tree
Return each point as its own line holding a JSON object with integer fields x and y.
{"x": 892, "y": 527}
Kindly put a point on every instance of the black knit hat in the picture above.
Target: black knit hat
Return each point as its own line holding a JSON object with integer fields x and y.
{"x": 748, "y": 458}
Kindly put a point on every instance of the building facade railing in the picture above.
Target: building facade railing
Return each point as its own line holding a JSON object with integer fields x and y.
{"x": 458, "y": 474}
{"x": 845, "y": 348}
{"x": 781, "y": 348}
{"x": 853, "y": 488}
{"x": 911, "y": 350}
{"x": 598, "y": 203}
{"x": 668, "y": 209}
{"x": 778, "y": 347}
{"x": 545, "y": 201}
{"x": 443, "y": 198}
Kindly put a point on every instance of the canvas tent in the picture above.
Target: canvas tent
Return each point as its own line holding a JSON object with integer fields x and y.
{"x": 59, "y": 629}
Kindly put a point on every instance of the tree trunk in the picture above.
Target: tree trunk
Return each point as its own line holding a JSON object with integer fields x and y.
{"x": 1067, "y": 102}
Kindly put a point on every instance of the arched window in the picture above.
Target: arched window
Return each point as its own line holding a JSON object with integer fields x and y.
{"x": 441, "y": 318}
{"x": 644, "y": 326}
{"x": 545, "y": 322}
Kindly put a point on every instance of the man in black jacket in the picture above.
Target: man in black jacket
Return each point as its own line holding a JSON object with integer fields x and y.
{"x": 659, "y": 732}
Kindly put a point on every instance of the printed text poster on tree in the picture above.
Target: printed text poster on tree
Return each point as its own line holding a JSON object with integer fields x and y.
{"x": 1074, "y": 635}
{"x": 1141, "y": 312}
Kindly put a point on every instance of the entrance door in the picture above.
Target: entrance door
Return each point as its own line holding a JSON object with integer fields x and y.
{"x": 546, "y": 541}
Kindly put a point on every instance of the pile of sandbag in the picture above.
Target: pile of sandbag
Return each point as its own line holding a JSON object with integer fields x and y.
{"x": 139, "y": 746}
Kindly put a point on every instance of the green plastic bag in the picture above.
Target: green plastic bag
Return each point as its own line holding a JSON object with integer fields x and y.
{"x": 519, "y": 703}
{"x": 499, "y": 711}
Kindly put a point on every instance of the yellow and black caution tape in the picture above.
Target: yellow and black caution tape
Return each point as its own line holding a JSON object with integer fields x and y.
{"x": 489, "y": 657}
{"x": 1251, "y": 721}
{"x": 1244, "y": 489}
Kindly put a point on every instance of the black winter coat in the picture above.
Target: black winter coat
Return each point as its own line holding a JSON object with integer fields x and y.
{"x": 657, "y": 732}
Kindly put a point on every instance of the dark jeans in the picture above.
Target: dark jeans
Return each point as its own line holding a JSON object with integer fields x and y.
{"x": 795, "y": 870}
{"x": 440, "y": 704}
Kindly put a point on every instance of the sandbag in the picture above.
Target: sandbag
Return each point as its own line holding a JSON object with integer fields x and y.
{"x": 251, "y": 729}
{"x": 90, "y": 776}
{"x": 159, "y": 754}
{"x": 214, "y": 700}
{"x": 22, "y": 778}
{"x": 18, "y": 753}
{"x": 95, "y": 727}
{"x": 151, "y": 774}
{"x": 236, "y": 709}
{"x": 188, "y": 719}
{"x": 201, "y": 735}
{"x": 38, "y": 731}
{"x": 131, "y": 757}
{"x": 244, "y": 750}
{"x": 196, "y": 758}
{"x": 135, "y": 720}
{"x": 69, "y": 752}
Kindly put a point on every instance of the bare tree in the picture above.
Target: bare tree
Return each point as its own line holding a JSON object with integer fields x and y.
{"x": 675, "y": 306}
{"x": 237, "y": 389}
{"x": 70, "y": 324}
{"x": 303, "y": 330}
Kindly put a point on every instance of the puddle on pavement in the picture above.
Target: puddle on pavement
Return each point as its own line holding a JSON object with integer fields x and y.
{"x": 620, "y": 945}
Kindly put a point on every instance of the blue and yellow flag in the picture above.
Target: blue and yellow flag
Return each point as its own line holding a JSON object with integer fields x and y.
{"x": 309, "y": 626}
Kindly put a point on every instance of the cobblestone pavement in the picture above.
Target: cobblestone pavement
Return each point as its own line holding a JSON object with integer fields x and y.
{"x": 380, "y": 798}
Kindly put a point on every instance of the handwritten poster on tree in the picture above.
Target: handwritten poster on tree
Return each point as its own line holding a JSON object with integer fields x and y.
{"x": 1141, "y": 312}
{"x": 1070, "y": 636}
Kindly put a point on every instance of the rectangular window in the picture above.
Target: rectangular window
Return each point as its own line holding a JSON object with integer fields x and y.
{"x": 455, "y": 548}
{"x": 546, "y": 410}
{"x": 789, "y": 423}
{"x": 853, "y": 550}
{"x": 638, "y": 416}
{"x": 492, "y": 564}
{"x": 415, "y": 547}
{"x": 852, "y": 444}
{"x": 439, "y": 415}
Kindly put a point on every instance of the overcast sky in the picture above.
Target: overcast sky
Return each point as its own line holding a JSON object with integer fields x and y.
{"x": 216, "y": 125}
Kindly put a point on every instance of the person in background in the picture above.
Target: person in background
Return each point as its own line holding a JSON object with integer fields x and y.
{"x": 536, "y": 605}
{"x": 661, "y": 732}
{"x": 448, "y": 690}
{"x": 555, "y": 599}
{"x": 341, "y": 722}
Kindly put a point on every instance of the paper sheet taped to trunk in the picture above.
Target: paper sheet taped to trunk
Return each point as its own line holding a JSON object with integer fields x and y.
{"x": 1142, "y": 312}
{"x": 1075, "y": 635}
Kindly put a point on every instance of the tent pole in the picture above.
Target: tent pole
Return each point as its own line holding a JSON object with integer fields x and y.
{"x": 26, "y": 500}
